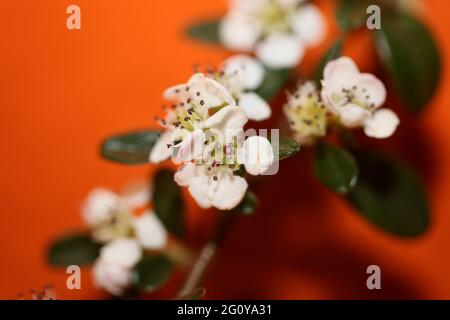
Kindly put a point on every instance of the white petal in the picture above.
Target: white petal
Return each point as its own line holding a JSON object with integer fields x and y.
{"x": 98, "y": 206}
{"x": 281, "y": 51}
{"x": 201, "y": 186}
{"x": 239, "y": 33}
{"x": 138, "y": 197}
{"x": 227, "y": 118}
{"x": 309, "y": 23}
{"x": 185, "y": 174}
{"x": 373, "y": 88}
{"x": 229, "y": 192}
{"x": 255, "y": 107}
{"x": 258, "y": 155}
{"x": 338, "y": 74}
{"x": 249, "y": 70}
{"x": 176, "y": 93}
{"x": 124, "y": 252}
{"x": 382, "y": 124}
{"x": 150, "y": 232}
{"x": 160, "y": 151}
{"x": 112, "y": 277}
{"x": 211, "y": 93}
{"x": 191, "y": 148}
{"x": 353, "y": 116}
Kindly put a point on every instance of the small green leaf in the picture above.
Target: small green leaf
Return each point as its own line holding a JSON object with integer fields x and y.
{"x": 130, "y": 148}
{"x": 351, "y": 14}
{"x": 77, "y": 249}
{"x": 197, "y": 294}
{"x": 287, "y": 147}
{"x": 336, "y": 168}
{"x": 333, "y": 53}
{"x": 273, "y": 82}
{"x": 248, "y": 205}
{"x": 390, "y": 196}
{"x": 168, "y": 203}
{"x": 207, "y": 31}
{"x": 152, "y": 272}
{"x": 411, "y": 58}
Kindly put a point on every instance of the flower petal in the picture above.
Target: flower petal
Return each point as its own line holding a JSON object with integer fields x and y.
{"x": 229, "y": 192}
{"x": 372, "y": 90}
{"x": 309, "y": 24}
{"x": 338, "y": 74}
{"x": 191, "y": 147}
{"x": 281, "y": 51}
{"x": 124, "y": 252}
{"x": 185, "y": 174}
{"x": 176, "y": 93}
{"x": 161, "y": 151}
{"x": 230, "y": 117}
{"x": 258, "y": 155}
{"x": 98, "y": 206}
{"x": 255, "y": 107}
{"x": 111, "y": 277}
{"x": 239, "y": 33}
{"x": 137, "y": 196}
{"x": 208, "y": 92}
{"x": 250, "y": 70}
{"x": 382, "y": 124}
{"x": 150, "y": 232}
{"x": 353, "y": 116}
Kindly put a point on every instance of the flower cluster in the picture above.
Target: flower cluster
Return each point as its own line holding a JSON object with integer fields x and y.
{"x": 278, "y": 31}
{"x": 204, "y": 131}
{"x": 126, "y": 226}
{"x": 348, "y": 97}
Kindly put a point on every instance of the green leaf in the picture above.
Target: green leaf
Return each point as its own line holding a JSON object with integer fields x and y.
{"x": 168, "y": 203}
{"x": 333, "y": 53}
{"x": 151, "y": 272}
{"x": 273, "y": 82}
{"x": 411, "y": 58}
{"x": 197, "y": 294}
{"x": 77, "y": 249}
{"x": 207, "y": 31}
{"x": 336, "y": 168}
{"x": 351, "y": 14}
{"x": 390, "y": 195}
{"x": 248, "y": 205}
{"x": 287, "y": 147}
{"x": 130, "y": 148}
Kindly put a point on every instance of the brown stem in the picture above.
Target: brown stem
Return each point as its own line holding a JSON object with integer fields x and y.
{"x": 206, "y": 255}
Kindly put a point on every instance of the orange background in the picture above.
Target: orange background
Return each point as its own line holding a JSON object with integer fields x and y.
{"x": 62, "y": 92}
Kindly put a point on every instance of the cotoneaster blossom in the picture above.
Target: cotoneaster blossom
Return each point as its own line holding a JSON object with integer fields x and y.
{"x": 355, "y": 99}
{"x": 205, "y": 134}
{"x": 278, "y": 31}
{"x": 112, "y": 216}
{"x": 112, "y": 270}
{"x": 306, "y": 114}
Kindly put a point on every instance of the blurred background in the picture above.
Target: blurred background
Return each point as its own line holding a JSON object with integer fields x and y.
{"x": 63, "y": 91}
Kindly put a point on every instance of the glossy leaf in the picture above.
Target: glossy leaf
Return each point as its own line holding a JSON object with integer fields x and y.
{"x": 196, "y": 294}
{"x": 287, "y": 147}
{"x": 351, "y": 14}
{"x": 207, "y": 31}
{"x": 152, "y": 272}
{"x": 130, "y": 148}
{"x": 248, "y": 205}
{"x": 411, "y": 58}
{"x": 168, "y": 203}
{"x": 77, "y": 249}
{"x": 273, "y": 82}
{"x": 336, "y": 168}
{"x": 390, "y": 195}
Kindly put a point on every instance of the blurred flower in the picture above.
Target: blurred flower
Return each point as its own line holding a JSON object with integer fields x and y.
{"x": 355, "y": 98}
{"x": 205, "y": 130}
{"x": 112, "y": 270}
{"x": 112, "y": 216}
{"x": 306, "y": 114}
{"x": 277, "y": 30}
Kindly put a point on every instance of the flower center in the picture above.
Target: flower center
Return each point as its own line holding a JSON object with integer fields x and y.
{"x": 354, "y": 95}
{"x": 308, "y": 119}
{"x": 275, "y": 18}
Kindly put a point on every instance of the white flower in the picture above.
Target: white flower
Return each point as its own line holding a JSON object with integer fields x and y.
{"x": 205, "y": 130}
{"x": 306, "y": 114}
{"x": 354, "y": 98}
{"x": 112, "y": 216}
{"x": 277, "y": 30}
{"x": 112, "y": 270}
